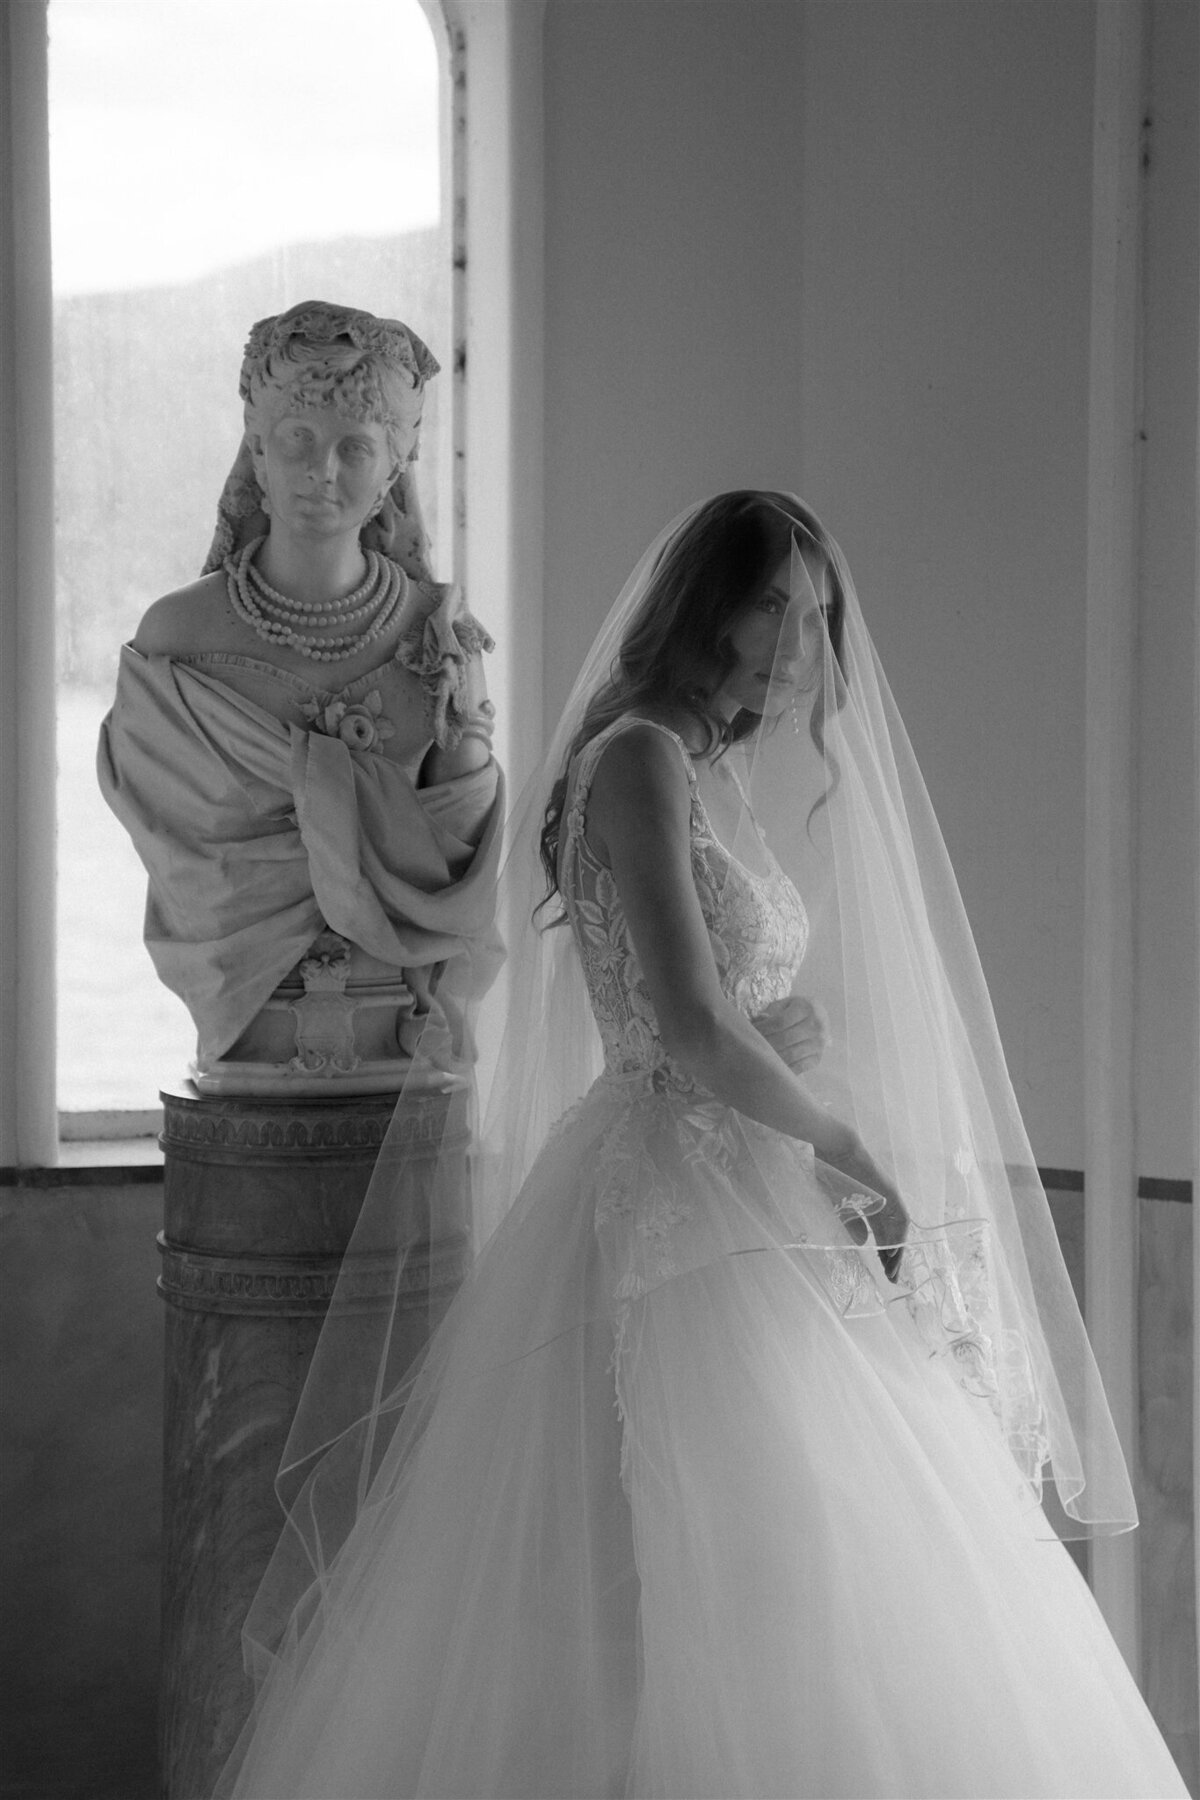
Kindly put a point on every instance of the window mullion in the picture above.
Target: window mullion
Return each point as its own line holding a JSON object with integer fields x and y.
{"x": 28, "y": 1119}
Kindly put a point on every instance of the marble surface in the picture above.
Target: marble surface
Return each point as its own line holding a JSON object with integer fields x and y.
{"x": 260, "y": 1197}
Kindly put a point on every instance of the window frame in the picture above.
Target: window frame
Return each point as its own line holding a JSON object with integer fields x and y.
{"x": 491, "y": 53}
{"x": 28, "y": 1118}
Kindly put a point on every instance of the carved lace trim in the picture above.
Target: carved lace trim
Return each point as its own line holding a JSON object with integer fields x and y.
{"x": 436, "y": 649}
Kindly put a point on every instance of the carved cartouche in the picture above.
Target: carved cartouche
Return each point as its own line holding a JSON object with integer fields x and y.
{"x": 339, "y": 1022}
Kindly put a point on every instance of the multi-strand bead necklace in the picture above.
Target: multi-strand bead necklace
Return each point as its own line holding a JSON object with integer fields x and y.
{"x": 362, "y": 615}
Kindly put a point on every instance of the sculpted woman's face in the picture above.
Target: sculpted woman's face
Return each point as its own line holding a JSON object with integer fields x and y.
{"x": 777, "y": 641}
{"x": 323, "y": 473}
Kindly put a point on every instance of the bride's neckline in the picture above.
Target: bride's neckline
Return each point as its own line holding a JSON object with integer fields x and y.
{"x": 759, "y": 875}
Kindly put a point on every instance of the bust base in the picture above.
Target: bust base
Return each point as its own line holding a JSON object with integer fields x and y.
{"x": 339, "y": 1022}
{"x": 285, "y": 1081}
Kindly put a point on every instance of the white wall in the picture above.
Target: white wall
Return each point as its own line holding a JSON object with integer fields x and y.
{"x": 843, "y": 246}
{"x": 1168, "y": 617}
{"x": 673, "y": 261}
{"x": 948, "y": 205}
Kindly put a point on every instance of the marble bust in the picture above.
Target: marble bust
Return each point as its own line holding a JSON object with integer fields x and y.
{"x": 300, "y": 745}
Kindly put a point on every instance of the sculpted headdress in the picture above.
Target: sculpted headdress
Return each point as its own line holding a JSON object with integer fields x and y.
{"x": 319, "y": 354}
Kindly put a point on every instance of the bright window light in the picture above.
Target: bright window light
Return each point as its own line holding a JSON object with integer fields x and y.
{"x": 212, "y": 161}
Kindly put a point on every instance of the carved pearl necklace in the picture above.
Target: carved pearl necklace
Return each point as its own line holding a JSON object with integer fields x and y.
{"x": 275, "y": 617}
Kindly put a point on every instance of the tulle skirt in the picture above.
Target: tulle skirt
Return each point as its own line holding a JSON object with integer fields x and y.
{"x": 668, "y": 1517}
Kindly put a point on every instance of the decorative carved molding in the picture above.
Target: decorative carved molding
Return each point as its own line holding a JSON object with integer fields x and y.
{"x": 229, "y": 1124}
{"x": 284, "y": 1131}
{"x": 283, "y": 1286}
{"x": 325, "y": 1015}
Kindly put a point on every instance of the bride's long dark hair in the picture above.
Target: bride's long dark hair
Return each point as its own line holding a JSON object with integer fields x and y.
{"x": 677, "y": 649}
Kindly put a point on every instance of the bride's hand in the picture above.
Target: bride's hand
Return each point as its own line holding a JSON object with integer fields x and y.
{"x": 890, "y": 1227}
{"x": 847, "y": 1157}
{"x": 796, "y": 1029}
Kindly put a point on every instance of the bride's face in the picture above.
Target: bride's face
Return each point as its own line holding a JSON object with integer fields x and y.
{"x": 777, "y": 641}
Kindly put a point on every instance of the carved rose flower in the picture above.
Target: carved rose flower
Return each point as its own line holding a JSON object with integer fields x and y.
{"x": 360, "y": 725}
{"x": 359, "y": 729}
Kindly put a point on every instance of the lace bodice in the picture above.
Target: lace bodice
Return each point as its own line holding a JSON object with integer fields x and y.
{"x": 757, "y": 926}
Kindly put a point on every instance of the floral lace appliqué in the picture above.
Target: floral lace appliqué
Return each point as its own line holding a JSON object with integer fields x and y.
{"x": 757, "y": 927}
{"x": 633, "y": 1191}
{"x": 947, "y": 1285}
{"x": 758, "y": 931}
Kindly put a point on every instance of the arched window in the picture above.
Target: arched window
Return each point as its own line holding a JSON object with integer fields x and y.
{"x": 211, "y": 163}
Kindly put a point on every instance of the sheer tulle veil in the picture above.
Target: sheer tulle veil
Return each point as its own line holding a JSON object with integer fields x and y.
{"x": 914, "y": 1062}
{"x": 915, "y": 1059}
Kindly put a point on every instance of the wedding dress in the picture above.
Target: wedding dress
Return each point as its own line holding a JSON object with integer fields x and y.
{"x": 687, "y": 1498}
{"x": 736, "y": 1533}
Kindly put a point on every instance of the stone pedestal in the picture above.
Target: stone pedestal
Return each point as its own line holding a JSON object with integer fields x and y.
{"x": 261, "y": 1195}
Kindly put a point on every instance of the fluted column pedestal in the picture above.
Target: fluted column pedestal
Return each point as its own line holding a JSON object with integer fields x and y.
{"x": 261, "y": 1195}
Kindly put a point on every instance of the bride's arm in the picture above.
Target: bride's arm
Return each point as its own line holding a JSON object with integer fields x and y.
{"x": 638, "y": 821}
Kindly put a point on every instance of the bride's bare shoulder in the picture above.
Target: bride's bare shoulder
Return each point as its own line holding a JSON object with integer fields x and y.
{"x": 188, "y": 622}
{"x": 640, "y": 778}
{"x": 643, "y": 746}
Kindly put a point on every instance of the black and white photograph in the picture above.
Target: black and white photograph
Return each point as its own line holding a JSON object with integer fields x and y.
{"x": 599, "y": 899}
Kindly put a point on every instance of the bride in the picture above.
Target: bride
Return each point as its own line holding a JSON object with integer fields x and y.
{"x": 739, "y": 1466}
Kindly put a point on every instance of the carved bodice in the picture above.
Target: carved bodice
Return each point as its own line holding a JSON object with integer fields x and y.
{"x": 382, "y": 713}
{"x": 422, "y": 693}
